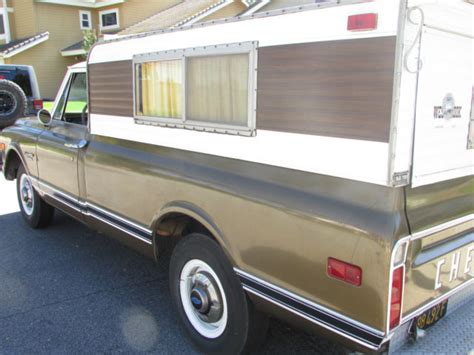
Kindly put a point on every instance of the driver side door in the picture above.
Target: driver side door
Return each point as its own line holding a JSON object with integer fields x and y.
{"x": 63, "y": 141}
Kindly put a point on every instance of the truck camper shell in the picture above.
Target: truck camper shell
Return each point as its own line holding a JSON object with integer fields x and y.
{"x": 314, "y": 86}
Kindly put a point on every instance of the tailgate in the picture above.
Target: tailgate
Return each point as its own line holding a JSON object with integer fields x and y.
{"x": 444, "y": 92}
{"x": 440, "y": 258}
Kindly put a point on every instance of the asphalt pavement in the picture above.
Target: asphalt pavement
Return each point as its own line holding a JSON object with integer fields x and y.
{"x": 68, "y": 289}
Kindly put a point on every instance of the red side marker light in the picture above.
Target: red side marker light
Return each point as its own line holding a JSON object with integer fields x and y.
{"x": 362, "y": 22}
{"x": 38, "y": 104}
{"x": 344, "y": 271}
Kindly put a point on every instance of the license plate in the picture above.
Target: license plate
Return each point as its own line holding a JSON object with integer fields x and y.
{"x": 432, "y": 315}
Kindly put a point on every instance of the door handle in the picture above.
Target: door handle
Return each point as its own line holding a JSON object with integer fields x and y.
{"x": 81, "y": 144}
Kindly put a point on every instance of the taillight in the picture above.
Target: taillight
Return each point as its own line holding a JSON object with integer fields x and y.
{"x": 344, "y": 271}
{"x": 38, "y": 104}
{"x": 362, "y": 22}
{"x": 2, "y": 76}
{"x": 396, "y": 296}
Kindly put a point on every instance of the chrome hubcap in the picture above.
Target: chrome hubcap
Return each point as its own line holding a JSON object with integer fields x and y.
{"x": 26, "y": 195}
{"x": 203, "y": 298}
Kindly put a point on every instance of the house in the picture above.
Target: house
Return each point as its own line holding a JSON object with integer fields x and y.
{"x": 191, "y": 12}
{"x": 47, "y": 34}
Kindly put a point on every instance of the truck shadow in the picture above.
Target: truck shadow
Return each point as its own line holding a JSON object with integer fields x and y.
{"x": 99, "y": 295}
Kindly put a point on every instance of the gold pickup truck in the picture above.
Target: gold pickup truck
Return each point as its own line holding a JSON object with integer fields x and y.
{"x": 283, "y": 172}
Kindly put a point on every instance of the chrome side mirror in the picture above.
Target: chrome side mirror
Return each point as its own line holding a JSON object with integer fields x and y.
{"x": 44, "y": 117}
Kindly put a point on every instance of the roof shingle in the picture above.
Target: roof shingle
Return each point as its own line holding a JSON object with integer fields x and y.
{"x": 175, "y": 15}
{"x": 17, "y": 44}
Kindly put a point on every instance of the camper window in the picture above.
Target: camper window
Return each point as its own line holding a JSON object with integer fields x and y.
{"x": 160, "y": 86}
{"x": 217, "y": 89}
{"x": 210, "y": 89}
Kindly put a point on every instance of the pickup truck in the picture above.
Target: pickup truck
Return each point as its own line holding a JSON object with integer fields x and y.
{"x": 283, "y": 172}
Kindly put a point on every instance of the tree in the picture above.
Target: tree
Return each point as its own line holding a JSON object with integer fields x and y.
{"x": 88, "y": 41}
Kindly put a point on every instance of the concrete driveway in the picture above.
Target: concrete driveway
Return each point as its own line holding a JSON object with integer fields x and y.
{"x": 68, "y": 289}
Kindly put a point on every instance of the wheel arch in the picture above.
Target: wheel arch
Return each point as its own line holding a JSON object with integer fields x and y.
{"x": 13, "y": 160}
{"x": 177, "y": 220}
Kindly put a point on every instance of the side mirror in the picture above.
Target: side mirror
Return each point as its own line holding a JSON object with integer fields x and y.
{"x": 44, "y": 117}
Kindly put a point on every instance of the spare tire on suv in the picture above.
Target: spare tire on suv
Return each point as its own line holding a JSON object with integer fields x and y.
{"x": 12, "y": 103}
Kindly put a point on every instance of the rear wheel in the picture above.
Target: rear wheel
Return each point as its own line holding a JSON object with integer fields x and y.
{"x": 36, "y": 212}
{"x": 210, "y": 300}
{"x": 12, "y": 103}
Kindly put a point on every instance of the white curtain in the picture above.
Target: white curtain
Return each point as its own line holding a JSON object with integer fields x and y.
{"x": 217, "y": 89}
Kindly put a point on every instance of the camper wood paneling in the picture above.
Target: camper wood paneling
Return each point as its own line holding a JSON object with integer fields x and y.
{"x": 338, "y": 88}
{"x": 111, "y": 88}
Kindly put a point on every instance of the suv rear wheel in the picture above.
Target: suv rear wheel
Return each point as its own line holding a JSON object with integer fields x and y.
{"x": 210, "y": 300}
{"x": 12, "y": 103}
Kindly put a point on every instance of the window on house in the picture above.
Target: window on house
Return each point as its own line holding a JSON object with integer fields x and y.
{"x": 211, "y": 89}
{"x": 2, "y": 25}
{"x": 85, "y": 20}
{"x": 109, "y": 19}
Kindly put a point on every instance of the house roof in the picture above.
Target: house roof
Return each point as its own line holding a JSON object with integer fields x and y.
{"x": 92, "y": 4}
{"x": 10, "y": 49}
{"x": 176, "y": 15}
{"x": 74, "y": 49}
{"x": 75, "y": 46}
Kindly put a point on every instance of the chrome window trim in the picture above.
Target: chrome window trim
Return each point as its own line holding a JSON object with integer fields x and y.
{"x": 183, "y": 54}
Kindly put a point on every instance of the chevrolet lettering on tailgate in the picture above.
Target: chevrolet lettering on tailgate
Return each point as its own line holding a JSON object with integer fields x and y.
{"x": 455, "y": 268}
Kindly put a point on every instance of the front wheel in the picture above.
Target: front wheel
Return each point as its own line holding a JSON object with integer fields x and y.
{"x": 36, "y": 212}
{"x": 210, "y": 300}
